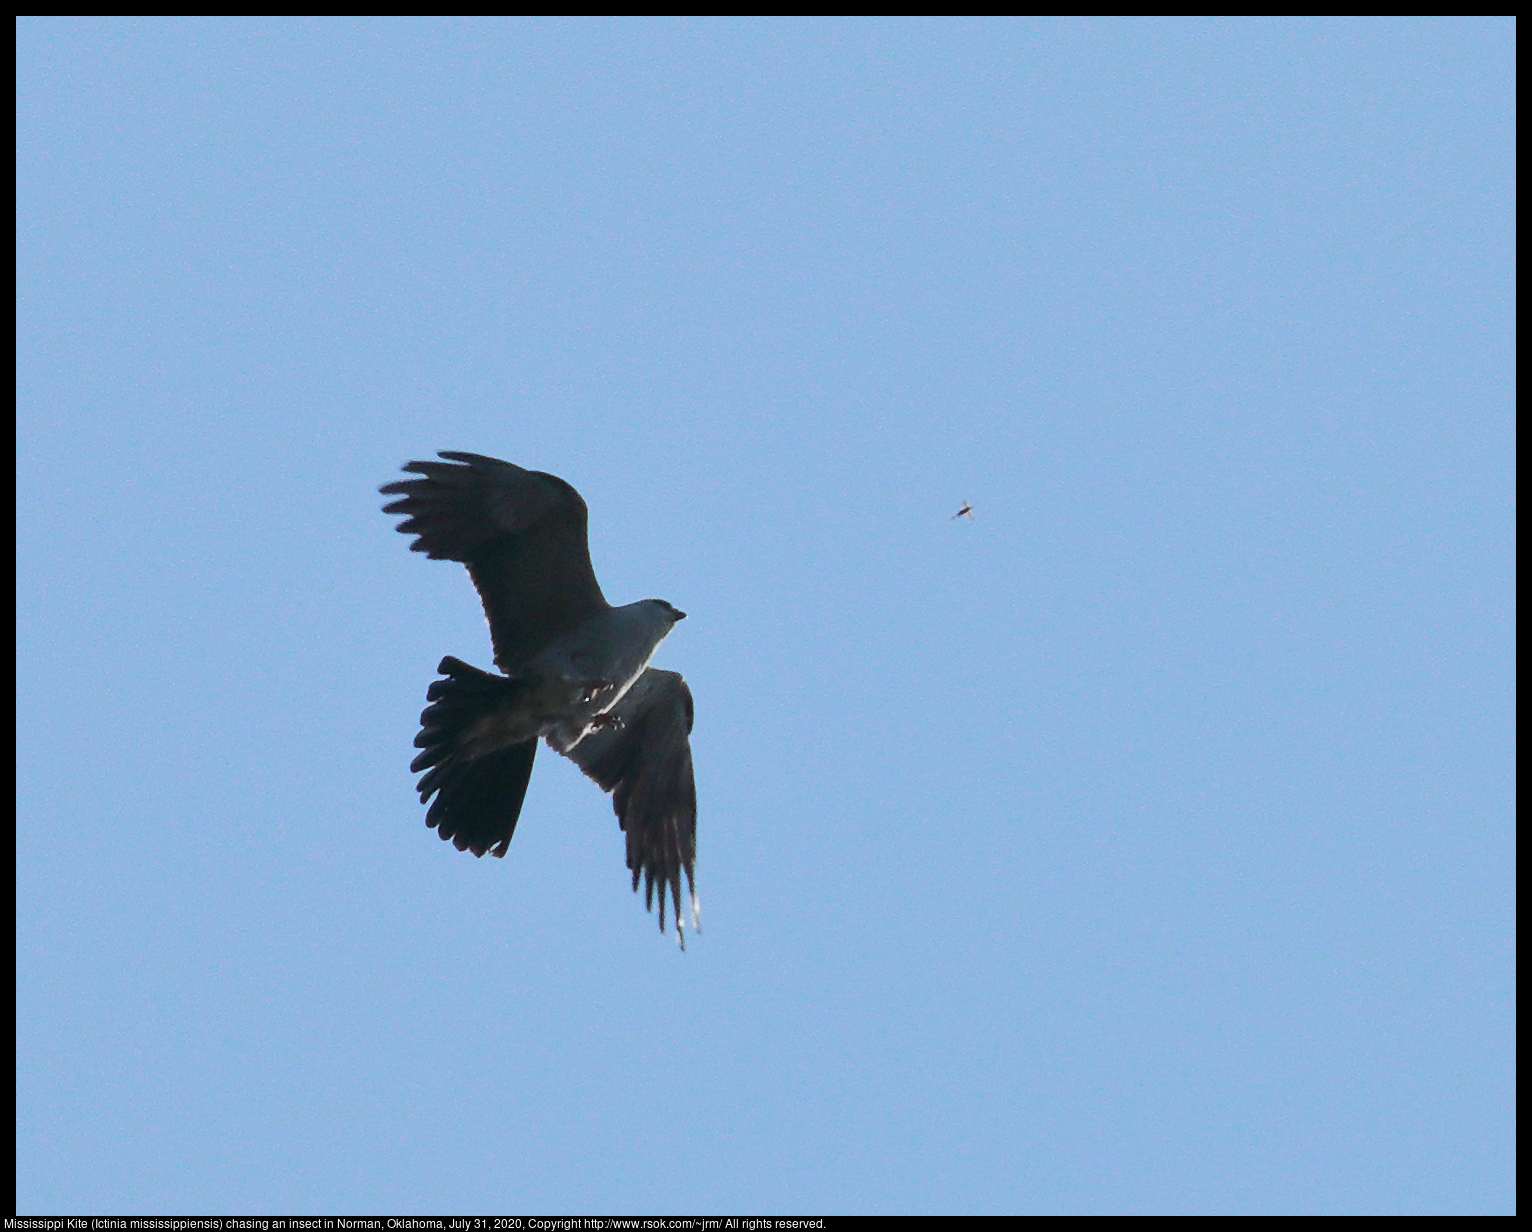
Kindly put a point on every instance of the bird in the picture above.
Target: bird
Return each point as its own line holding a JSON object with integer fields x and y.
{"x": 965, "y": 511}
{"x": 574, "y": 671}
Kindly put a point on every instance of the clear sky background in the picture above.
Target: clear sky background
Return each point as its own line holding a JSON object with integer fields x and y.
{"x": 1144, "y": 846}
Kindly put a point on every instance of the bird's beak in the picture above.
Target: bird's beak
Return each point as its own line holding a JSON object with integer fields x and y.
{"x": 680, "y": 615}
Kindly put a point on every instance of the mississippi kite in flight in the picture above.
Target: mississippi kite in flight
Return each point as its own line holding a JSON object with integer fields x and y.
{"x": 576, "y": 673}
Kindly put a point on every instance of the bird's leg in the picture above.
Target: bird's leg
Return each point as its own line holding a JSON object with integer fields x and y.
{"x": 606, "y": 719}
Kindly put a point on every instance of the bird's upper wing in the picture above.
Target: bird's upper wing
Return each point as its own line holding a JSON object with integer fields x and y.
{"x": 645, "y": 761}
{"x": 522, "y": 535}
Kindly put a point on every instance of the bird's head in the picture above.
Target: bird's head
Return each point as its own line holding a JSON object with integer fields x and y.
{"x": 675, "y": 613}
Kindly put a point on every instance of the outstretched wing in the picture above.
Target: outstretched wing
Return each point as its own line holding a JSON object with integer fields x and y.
{"x": 522, "y": 535}
{"x": 645, "y": 761}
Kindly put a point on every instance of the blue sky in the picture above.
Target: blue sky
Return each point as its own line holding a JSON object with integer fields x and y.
{"x": 1144, "y": 846}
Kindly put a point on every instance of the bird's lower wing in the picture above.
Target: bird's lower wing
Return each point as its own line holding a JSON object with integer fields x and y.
{"x": 645, "y": 760}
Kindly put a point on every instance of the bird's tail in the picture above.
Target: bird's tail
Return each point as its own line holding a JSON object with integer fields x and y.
{"x": 479, "y": 784}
